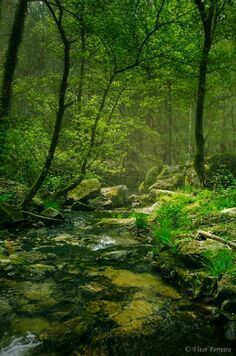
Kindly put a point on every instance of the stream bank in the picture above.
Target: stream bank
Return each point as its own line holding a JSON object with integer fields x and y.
{"x": 88, "y": 288}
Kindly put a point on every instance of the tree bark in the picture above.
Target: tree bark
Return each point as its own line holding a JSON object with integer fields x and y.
{"x": 82, "y": 68}
{"x": 9, "y": 71}
{"x": 199, "y": 131}
{"x": 208, "y": 19}
{"x": 170, "y": 124}
{"x": 91, "y": 143}
{"x": 61, "y": 108}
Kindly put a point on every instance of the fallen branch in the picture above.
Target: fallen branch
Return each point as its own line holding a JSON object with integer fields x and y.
{"x": 42, "y": 217}
{"x": 209, "y": 235}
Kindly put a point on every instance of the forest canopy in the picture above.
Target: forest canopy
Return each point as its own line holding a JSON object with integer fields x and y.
{"x": 110, "y": 89}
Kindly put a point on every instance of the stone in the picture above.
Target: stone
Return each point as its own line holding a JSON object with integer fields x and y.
{"x": 41, "y": 268}
{"x": 230, "y": 212}
{"x": 79, "y": 206}
{"x": 53, "y": 213}
{"x": 9, "y": 214}
{"x": 156, "y": 194}
{"x": 117, "y": 194}
{"x": 152, "y": 174}
{"x": 101, "y": 203}
{"x": 226, "y": 290}
{"x": 192, "y": 252}
{"x": 142, "y": 189}
{"x": 87, "y": 189}
{"x": 169, "y": 183}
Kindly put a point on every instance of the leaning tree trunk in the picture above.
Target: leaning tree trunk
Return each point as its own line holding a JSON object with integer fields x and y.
{"x": 61, "y": 109}
{"x": 92, "y": 143}
{"x": 9, "y": 70}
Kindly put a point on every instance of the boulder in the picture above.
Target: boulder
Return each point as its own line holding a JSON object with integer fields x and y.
{"x": 152, "y": 174}
{"x": 100, "y": 203}
{"x": 87, "y": 189}
{"x": 170, "y": 178}
{"x": 192, "y": 252}
{"x": 117, "y": 194}
{"x": 53, "y": 213}
{"x": 156, "y": 194}
{"x": 9, "y": 214}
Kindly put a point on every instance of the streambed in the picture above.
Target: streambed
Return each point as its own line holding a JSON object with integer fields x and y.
{"x": 87, "y": 288}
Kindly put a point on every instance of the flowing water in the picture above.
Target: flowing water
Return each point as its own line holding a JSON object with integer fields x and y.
{"x": 87, "y": 288}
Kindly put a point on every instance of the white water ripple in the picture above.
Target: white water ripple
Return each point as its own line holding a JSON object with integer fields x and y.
{"x": 19, "y": 346}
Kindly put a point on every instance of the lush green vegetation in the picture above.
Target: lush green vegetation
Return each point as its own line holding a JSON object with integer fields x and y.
{"x": 108, "y": 89}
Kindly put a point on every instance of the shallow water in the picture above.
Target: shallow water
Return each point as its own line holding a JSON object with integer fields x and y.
{"x": 87, "y": 288}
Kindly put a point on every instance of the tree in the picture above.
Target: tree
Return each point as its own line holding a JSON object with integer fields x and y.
{"x": 210, "y": 12}
{"x": 62, "y": 105}
{"x": 9, "y": 70}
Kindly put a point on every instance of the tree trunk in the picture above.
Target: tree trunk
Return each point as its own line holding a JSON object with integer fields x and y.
{"x": 60, "y": 113}
{"x": 170, "y": 124}
{"x": 82, "y": 69}
{"x": 199, "y": 135}
{"x": 9, "y": 70}
{"x": 92, "y": 144}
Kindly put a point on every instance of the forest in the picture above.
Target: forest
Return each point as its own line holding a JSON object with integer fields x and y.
{"x": 117, "y": 177}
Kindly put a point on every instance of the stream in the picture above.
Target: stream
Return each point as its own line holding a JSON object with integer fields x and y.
{"x": 88, "y": 288}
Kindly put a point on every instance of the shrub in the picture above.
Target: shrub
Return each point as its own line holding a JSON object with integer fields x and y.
{"x": 141, "y": 220}
{"x": 221, "y": 171}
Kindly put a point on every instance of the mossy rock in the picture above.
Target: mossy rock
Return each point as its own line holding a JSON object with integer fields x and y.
{"x": 9, "y": 214}
{"x": 53, "y": 213}
{"x": 193, "y": 252}
{"x": 117, "y": 194}
{"x": 152, "y": 174}
{"x": 169, "y": 183}
{"x": 87, "y": 189}
{"x": 142, "y": 189}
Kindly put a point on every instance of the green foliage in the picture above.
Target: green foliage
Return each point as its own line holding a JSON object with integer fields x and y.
{"x": 163, "y": 234}
{"x": 221, "y": 172}
{"x": 51, "y": 204}
{"x": 219, "y": 263}
{"x": 212, "y": 202}
{"x": 175, "y": 212}
{"x": 141, "y": 220}
{"x": 5, "y": 197}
